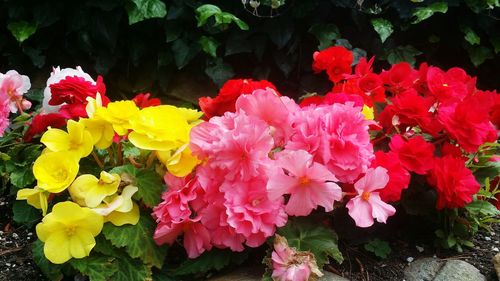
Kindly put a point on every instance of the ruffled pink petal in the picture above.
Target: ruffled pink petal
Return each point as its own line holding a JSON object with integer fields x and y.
{"x": 380, "y": 210}
{"x": 361, "y": 211}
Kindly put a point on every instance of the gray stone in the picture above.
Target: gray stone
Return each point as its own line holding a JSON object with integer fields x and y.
{"x": 423, "y": 269}
{"x": 331, "y": 277}
{"x": 458, "y": 270}
{"x": 496, "y": 264}
{"x": 432, "y": 269}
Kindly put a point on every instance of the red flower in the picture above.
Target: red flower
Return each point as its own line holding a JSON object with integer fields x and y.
{"x": 468, "y": 122}
{"x": 142, "y": 100}
{"x": 454, "y": 183}
{"x": 399, "y": 177}
{"x": 229, "y": 93}
{"x": 336, "y": 61}
{"x": 311, "y": 100}
{"x": 369, "y": 87}
{"x": 41, "y": 122}
{"x": 400, "y": 77}
{"x": 451, "y": 86}
{"x": 415, "y": 154}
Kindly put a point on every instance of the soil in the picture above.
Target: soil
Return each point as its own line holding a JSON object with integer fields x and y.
{"x": 16, "y": 261}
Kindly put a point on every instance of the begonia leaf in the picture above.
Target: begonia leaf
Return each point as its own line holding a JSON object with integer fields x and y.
{"x": 97, "y": 268}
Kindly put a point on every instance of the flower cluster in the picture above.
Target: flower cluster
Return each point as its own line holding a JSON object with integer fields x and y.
{"x": 12, "y": 88}
{"x": 93, "y": 123}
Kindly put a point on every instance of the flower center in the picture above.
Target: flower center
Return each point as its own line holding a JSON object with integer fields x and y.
{"x": 70, "y": 230}
{"x": 60, "y": 174}
{"x": 255, "y": 202}
{"x": 304, "y": 180}
{"x": 366, "y": 195}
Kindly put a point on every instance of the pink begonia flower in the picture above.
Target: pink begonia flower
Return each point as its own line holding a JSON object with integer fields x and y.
{"x": 337, "y": 137}
{"x": 4, "y": 118}
{"x": 56, "y": 76}
{"x": 292, "y": 265}
{"x": 367, "y": 205}
{"x": 308, "y": 183}
{"x": 270, "y": 108}
{"x": 12, "y": 87}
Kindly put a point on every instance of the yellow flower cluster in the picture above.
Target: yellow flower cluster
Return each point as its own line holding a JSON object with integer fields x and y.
{"x": 69, "y": 230}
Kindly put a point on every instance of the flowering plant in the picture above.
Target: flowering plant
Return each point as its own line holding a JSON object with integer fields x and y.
{"x": 377, "y": 144}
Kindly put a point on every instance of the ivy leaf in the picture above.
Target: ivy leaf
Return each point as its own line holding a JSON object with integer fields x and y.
{"x": 403, "y": 53}
{"x": 25, "y": 214}
{"x": 209, "y": 45}
{"x": 479, "y": 54}
{"x": 383, "y": 27}
{"x": 380, "y": 248}
{"x": 204, "y": 12}
{"x": 97, "y": 268}
{"x": 219, "y": 71}
{"x": 495, "y": 41}
{"x": 139, "y": 10}
{"x": 321, "y": 241}
{"x": 149, "y": 183}
{"x": 423, "y": 13}
{"x": 471, "y": 36}
{"x": 325, "y": 33}
{"x": 50, "y": 270}
{"x": 22, "y": 30}
{"x": 184, "y": 52}
{"x": 137, "y": 240}
{"x": 215, "y": 259}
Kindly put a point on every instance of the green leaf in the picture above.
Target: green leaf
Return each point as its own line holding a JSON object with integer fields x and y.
{"x": 21, "y": 178}
{"x": 471, "y": 36}
{"x": 130, "y": 150}
{"x": 383, "y": 27}
{"x": 131, "y": 269}
{"x": 482, "y": 208}
{"x": 479, "y": 54}
{"x": 97, "y": 268}
{"x": 22, "y": 30}
{"x": 150, "y": 184}
{"x": 380, "y": 248}
{"x": 403, "y": 53}
{"x": 209, "y": 45}
{"x": 424, "y": 13}
{"x": 137, "y": 240}
{"x": 184, "y": 52}
{"x": 50, "y": 270}
{"x": 219, "y": 71}
{"x": 325, "y": 33}
{"x": 215, "y": 259}
{"x": 305, "y": 236}
{"x": 139, "y": 10}
{"x": 495, "y": 41}
{"x": 25, "y": 214}
{"x": 204, "y": 12}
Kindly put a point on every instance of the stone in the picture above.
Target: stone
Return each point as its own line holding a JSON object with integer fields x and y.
{"x": 255, "y": 274}
{"x": 458, "y": 270}
{"x": 328, "y": 276}
{"x": 432, "y": 269}
{"x": 496, "y": 264}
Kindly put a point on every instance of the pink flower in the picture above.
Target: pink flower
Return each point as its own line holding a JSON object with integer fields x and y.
{"x": 4, "y": 118}
{"x": 12, "y": 87}
{"x": 308, "y": 183}
{"x": 367, "y": 205}
{"x": 292, "y": 265}
{"x": 337, "y": 137}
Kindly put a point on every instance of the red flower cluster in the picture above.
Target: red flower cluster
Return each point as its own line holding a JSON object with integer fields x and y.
{"x": 336, "y": 61}
{"x": 142, "y": 100}
{"x": 229, "y": 93}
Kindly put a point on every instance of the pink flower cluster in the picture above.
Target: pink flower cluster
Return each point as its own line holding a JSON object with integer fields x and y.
{"x": 252, "y": 159}
{"x": 12, "y": 88}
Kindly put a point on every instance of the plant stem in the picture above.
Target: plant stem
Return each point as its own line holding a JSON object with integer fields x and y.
{"x": 119, "y": 154}
{"x": 97, "y": 160}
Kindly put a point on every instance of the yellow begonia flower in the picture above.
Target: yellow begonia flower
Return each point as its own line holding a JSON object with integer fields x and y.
{"x": 68, "y": 232}
{"x": 191, "y": 115}
{"x": 180, "y": 163}
{"x": 101, "y": 131}
{"x": 93, "y": 104}
{"x": 55, "y": 171}
{"x": 120, "y": 209}
{"x": 367, "y": 112}
{"x": 118, "y": 114}
{"x": 76, "y": 140}
{"x": 160, "y": 128}
{"x": 35, "y": 197}
{"x": 89, "y": 191}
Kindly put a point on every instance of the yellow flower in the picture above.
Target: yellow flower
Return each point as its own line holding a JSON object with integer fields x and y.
{"x": 120, "y": 209}
{"x": 89, "y": 191}
{"x": 68, "y": 232}
{"x": 367, "y": 112}
{"x": 93, "y": 104}
{"x": 55, "y": 171}
{"x": 118, "y": 114}
{"x": 161, "y": 128}
{"x": 101, "y": 131}
{"x": 77, "y": 139}
{"x": 35, "y": 197}
{"x": 180, "y": 163}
